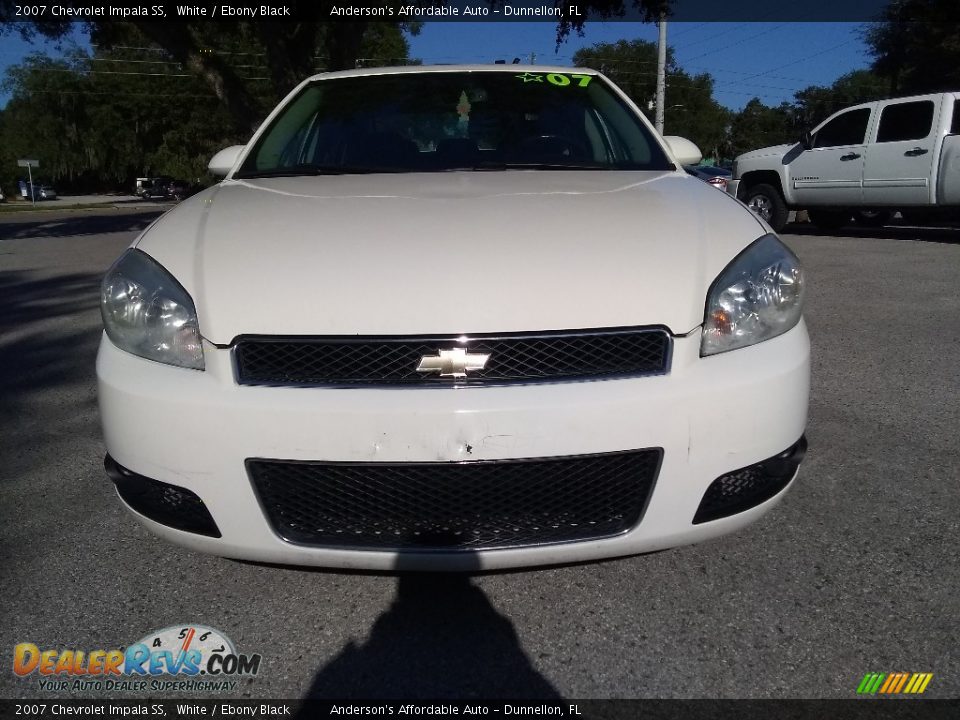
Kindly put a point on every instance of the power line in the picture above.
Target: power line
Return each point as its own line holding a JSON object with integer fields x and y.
{"x": 734, "y": 44}
{"x": 795, "y": 62}
{"x": 117, "y": 72}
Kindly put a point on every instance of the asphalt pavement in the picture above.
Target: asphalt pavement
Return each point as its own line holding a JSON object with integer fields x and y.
{"x": 855, "y": 571}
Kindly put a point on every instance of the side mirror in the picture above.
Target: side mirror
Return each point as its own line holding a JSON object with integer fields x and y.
{"x": 806, "y": 140}
{"x": 683, "y": 150}
{"x": 223, "y": 162}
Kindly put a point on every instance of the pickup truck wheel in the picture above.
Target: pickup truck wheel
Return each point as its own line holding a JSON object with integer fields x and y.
{"x": 766, "y": 202}
{"x": 872, "y": 218}
{"x": 829, "y": 220}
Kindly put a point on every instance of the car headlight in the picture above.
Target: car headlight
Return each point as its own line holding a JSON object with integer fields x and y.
{"x": 757, "y": 297}
{"x": 148, "y": 313}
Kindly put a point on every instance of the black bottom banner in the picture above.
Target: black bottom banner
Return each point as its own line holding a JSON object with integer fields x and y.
{"x": 892, "y": 709}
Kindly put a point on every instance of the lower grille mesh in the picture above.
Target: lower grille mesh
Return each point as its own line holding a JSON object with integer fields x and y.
{"x": 166, "y": 504}
{"x": 470, "y": 505}
{"x": 748, "y": 487}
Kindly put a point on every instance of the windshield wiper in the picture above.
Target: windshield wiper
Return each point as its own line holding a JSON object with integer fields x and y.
{"x": 496, "y": 165}
{"x": 311, "y": 170}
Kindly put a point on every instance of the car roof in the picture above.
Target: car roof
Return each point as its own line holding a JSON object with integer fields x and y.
{"x": 422, "y": 69}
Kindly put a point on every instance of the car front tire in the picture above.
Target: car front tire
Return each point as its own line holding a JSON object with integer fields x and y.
{"x": 766, "y": 201}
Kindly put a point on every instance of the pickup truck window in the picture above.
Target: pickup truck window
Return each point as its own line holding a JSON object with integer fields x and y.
{"x": 850, "y": 128}
{"x": 905, "y": 121}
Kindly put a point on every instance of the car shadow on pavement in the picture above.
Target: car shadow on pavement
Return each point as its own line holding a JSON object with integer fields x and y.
{"x": 939, "y": 234}
{"x": 26, "y": 298}
{"x": 441, "y": 638}
{"x": 48, "y": 342}
{"x": 78, "y": 223}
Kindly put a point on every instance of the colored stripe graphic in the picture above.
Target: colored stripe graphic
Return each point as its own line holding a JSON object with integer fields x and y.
{"x": 894, "y": 683}
{"x": 891, "y": 682}
{"x": 901, "y": 682}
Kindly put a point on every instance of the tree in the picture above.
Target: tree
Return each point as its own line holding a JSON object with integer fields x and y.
{"x": 758, "y": 125}
{"x": 815, "y": 103}
{"x": 94, "y": 129}
{"x": 916, "y": 46}
{"x": 648, "y": 10}
{"x": 691, "y": 110}
{"x": 288, "y": 51}
{"x": 290, "y": 48}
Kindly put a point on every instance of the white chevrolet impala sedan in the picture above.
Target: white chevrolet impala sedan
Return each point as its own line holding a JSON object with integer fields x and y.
{"x": 453, "y": 317}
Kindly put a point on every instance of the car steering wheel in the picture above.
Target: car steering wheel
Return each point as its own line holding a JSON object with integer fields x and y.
{"x": 552, "y": 145}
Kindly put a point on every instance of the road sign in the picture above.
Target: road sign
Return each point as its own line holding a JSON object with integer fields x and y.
{"x": 29, "y": 165}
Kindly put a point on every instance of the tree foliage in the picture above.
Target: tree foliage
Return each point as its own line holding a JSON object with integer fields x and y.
{"x": 815, "y": 103}
{"x": 758, "y": 125}
{"x": 131, "y": 108}
{"x": 288, "y": 51}
{"x": 691, "y": 111}
{"x": 916, "y": 46}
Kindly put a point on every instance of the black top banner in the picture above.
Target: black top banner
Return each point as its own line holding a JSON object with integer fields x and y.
{"x": 554, "y": 11}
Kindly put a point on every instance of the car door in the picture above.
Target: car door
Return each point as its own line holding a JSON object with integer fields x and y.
{"x": 831, "y": 171}
{"x": 899, "y": 164}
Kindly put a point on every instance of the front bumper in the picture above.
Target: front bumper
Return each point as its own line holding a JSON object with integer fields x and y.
{"x": 711, "y": 416}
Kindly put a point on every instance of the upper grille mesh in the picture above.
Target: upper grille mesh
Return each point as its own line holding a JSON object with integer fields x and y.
{"x": 513, "y": 358}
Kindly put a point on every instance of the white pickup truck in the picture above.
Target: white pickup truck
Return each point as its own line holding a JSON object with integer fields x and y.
{"x": 863, "y": 164}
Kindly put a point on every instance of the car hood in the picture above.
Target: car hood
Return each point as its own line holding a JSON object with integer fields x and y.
{"x": 777, "y": 150}
{"x": 457, "y": 252}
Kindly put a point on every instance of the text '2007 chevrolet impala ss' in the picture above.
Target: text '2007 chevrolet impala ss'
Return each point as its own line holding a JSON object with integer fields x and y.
{"x": 453, "y": 317}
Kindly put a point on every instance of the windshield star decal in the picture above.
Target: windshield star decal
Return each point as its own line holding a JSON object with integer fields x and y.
{"x": 529, "y": 77}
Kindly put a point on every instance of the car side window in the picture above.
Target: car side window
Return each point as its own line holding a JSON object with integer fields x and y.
{"x": 850, "y": 128}
{"x": 905, "y": 121}
{"x": 955, "y": 125}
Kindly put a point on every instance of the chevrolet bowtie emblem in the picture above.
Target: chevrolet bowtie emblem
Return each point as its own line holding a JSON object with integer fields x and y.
{"x": 452, "y": 363}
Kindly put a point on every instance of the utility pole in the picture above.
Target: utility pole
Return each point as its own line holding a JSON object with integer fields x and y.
{"x": 533, "y": 58}
{"x": 661, "y": 73}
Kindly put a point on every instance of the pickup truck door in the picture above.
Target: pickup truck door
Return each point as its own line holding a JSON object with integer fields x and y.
{"x": 831, "y": 171}
{"x": 899, "y": 162}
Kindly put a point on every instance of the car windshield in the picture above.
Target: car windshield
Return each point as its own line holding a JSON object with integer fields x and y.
{"x": 437, "y": 121}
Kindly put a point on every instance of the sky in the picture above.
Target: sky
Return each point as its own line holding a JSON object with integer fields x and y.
{"x": 766, "y": 60}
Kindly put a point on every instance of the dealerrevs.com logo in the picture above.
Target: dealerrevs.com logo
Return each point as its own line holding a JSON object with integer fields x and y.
{"x": 178, "y": 658}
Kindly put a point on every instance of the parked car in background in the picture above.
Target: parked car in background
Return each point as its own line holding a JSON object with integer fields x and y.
{"x": 179, "y": 189}
{"x": 37, "y": 191}
{"x": 142, "y": 186}
{"x": 453, "y": 317}
{"x": 863, "y": 163}
{"x": 164, "y": 187}
{"x": 716, "y": 176}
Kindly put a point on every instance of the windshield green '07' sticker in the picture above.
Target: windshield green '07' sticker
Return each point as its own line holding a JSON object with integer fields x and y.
{"x": 558, "y": 79}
